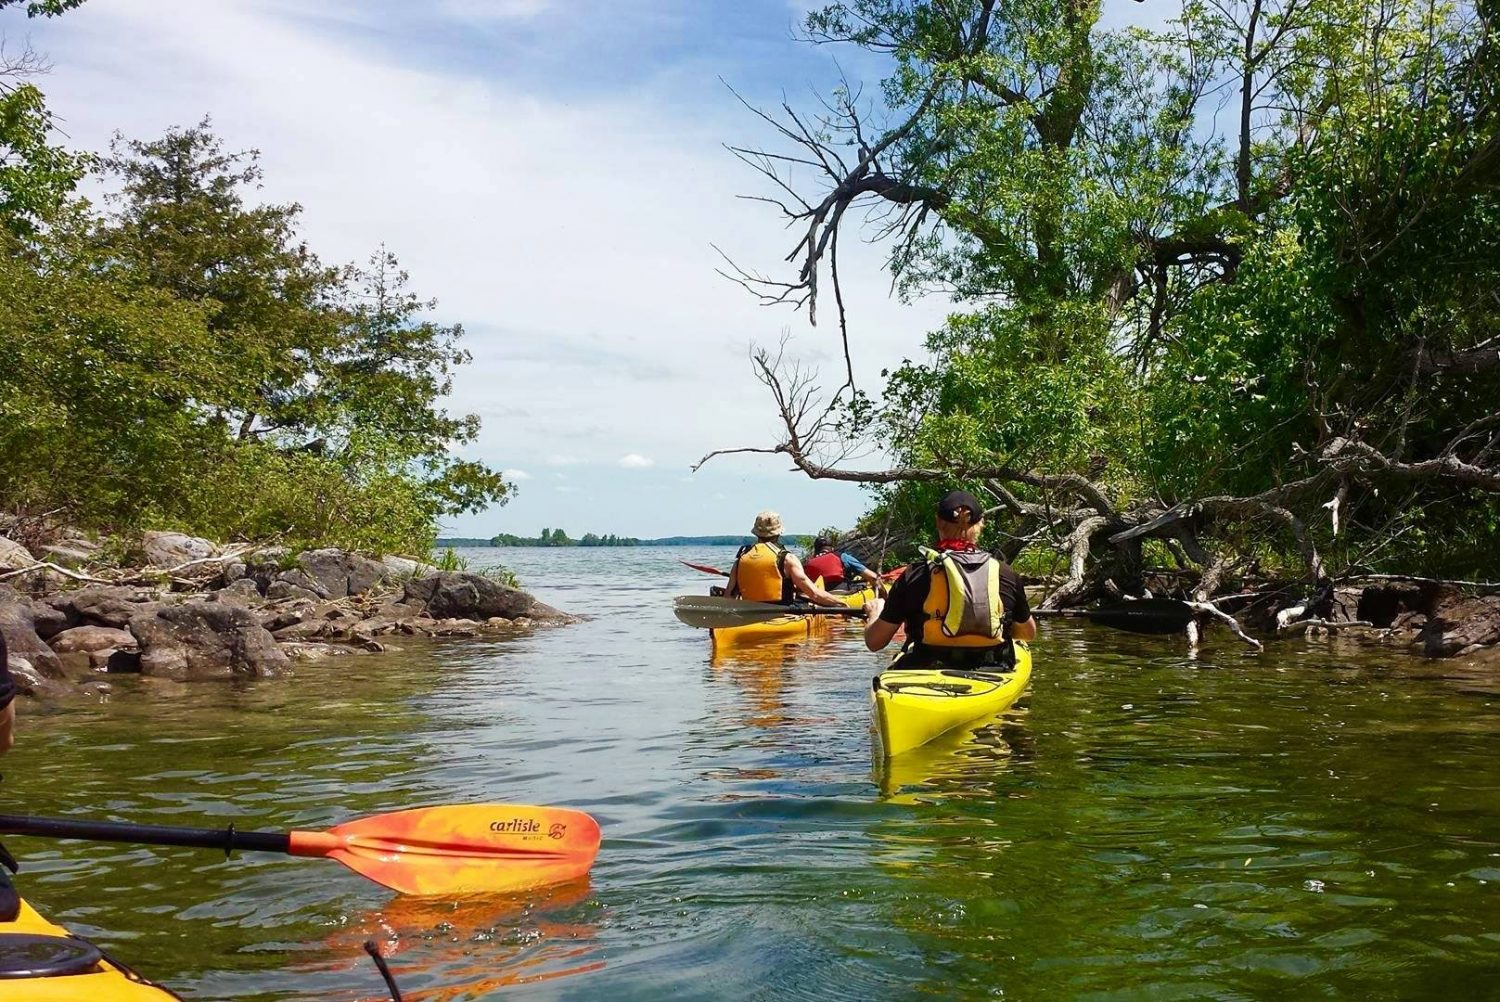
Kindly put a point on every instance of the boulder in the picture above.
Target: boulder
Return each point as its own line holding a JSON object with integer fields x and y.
{"x": 281, "y": 589}
{"x": 466, "y": 596}
{"x": 31, "y": 682}
{"x": 337, "y": 573}
{"x": 21, "y": 640}
{"x": 103, "y": 605}
{"x": 231, "y": 571}
{"x": 169, "y": 549}
{"x": 206, "y": 640}
{"x": 14, "y": 556}
{"x": 86, "y": 639}
{"x": 71, "y": 553}
{"x": 48, "y": 620}
{"x": 241, "y": 592}
{"x": 405, "y": 568}
{"x": 1463, "y": 626}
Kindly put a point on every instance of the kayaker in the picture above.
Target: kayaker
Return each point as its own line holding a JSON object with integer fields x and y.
{"x": 766, "y": 571}
{"x": 971, "y": 634}
{"x": 836, "y": 567}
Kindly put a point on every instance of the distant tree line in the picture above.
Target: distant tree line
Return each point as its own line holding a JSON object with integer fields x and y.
{"x": 560, "y": 537}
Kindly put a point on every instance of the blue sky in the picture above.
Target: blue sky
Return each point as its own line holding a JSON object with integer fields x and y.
{"x": 553, "y": 172}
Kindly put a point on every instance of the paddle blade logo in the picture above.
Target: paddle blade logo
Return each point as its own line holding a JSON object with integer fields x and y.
{"x": 557, "y": 831}
{"x": 518, "y": 826}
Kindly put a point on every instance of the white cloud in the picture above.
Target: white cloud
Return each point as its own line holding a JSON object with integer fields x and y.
{"x": 635, "y": 461}
{"x": 557, "y": 259}
{"x": 494, "y": 10}
{"x": 515, "y": 475}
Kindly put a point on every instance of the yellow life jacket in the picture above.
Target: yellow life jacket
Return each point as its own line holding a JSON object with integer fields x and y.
{"x": 761, "y": 573}
{"x": 977, "y": 619}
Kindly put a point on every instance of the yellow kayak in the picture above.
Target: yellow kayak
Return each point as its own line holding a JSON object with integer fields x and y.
{"x": 911, "y": 706}
{"x": 789, "y": 627}
{"x": 43, "y": 962}
{"x": 857, "y": 599}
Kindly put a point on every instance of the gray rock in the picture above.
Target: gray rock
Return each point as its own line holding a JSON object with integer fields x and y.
{"x": 84, "y": 639}
{"x": 73, "y": 553}
{"x": 206, "y": 640}
{"x": 168, "y": 549}
{"x": 241, "y": 592}
{"x": 48, "y": 620}
{"x": 405, "y": 568}
{"x": 31, "y": 682}
{"x": 14, "y": 556}
{"x": 466, "y": 596}
{"x": 280, "y": 590}
{"x": 103, "y": 605}
{"x": 21, "y": 640}
{"x": 231, "y": 571}
{"x": 338, "y": 573}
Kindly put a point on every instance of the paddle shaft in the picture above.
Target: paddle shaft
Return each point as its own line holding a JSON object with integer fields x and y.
{"x": 227, "y": 839}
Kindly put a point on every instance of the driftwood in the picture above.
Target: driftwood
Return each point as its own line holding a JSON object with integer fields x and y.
{"x": 132, "y": 577}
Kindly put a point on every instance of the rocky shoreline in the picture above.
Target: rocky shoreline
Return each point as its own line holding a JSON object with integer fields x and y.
{"x": 180, "y": 607}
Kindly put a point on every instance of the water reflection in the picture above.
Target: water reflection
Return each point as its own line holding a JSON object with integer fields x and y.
{"x": 443, "y": 951}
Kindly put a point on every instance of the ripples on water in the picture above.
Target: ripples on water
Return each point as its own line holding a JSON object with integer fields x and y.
{"x": 1143, "y": 826}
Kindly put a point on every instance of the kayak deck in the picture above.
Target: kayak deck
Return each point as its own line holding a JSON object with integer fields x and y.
{"x": 911, "y": 706}
{"x": 43, "y": 962}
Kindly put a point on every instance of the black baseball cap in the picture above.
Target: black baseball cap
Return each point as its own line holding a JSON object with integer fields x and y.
{"x": 948, "y": 507}
{"x": 822, "y": 543}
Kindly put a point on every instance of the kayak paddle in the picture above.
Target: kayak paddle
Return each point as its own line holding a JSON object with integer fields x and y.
{"x": 1152, "y": 616}
{"x": 889, "y": 575}
{"x": 705, "y": 568}
{"x": 714, "y": 612}
{"x": 460, "y": 849}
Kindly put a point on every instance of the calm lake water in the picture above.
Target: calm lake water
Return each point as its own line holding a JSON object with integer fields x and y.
{"x": 1309, "y": 823}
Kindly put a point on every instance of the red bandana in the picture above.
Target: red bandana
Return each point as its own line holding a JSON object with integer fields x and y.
{"x": 956, "y": 545}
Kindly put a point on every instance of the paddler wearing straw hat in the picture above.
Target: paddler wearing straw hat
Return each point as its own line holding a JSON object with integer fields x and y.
{"x": 766, "y": 571}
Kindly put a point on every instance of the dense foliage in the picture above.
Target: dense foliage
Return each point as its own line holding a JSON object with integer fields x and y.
{"x": 1249, "y": 256}
{"x": 182, "y": 359}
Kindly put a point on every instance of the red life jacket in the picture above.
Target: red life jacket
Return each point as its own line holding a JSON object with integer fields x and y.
{"x": 828, "y": 566}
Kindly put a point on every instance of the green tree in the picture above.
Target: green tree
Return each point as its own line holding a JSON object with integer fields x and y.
{"x": 1212, "y": 327}
{"x": 36, "y": 177}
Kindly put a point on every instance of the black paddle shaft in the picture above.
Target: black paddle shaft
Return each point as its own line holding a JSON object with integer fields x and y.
{"x": 118, "y": 831}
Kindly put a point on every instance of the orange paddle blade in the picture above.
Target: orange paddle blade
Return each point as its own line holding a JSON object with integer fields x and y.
{"x": 465, "y": 849}
{"x": 893, "y": 573}
{"x": 704, "y": 568}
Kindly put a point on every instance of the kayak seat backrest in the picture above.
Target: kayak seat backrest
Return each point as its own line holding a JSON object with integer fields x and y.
{"x": 23, "y": 955}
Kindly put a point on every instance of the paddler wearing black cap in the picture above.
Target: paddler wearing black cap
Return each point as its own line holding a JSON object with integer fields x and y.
{"x": 991, "y": 608}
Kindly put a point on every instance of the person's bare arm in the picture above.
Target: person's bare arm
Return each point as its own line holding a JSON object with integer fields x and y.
{"x": 7, "y": 727}
{"x": 1024, "y": 631}
{"x": 804, "y": 584}
{"x": 732, "y": 586}
{"x": 878, "y": 633}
